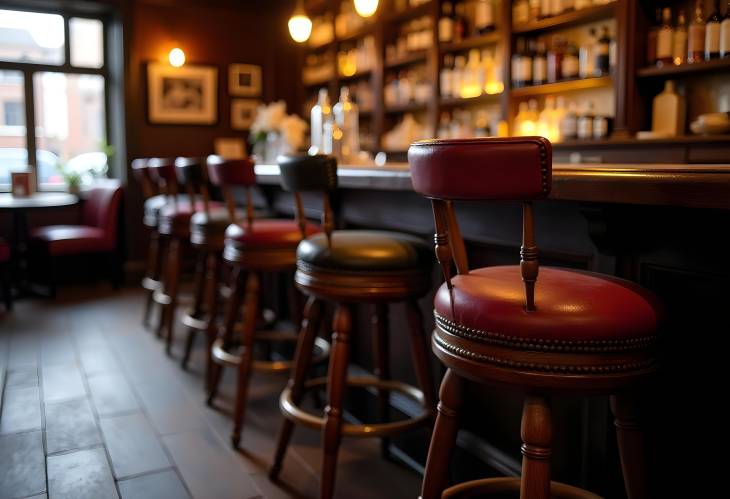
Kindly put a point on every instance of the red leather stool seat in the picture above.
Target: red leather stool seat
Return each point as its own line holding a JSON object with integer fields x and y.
{"x": 269, "y": 232}
{"x": 572, "y": 308}
{"x": 4, "y": 251}
{"x": 174, "y": 218}
{"x": 72, "y": 239}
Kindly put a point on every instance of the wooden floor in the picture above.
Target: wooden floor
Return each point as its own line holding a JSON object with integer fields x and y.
{"x": 93, "y": 408}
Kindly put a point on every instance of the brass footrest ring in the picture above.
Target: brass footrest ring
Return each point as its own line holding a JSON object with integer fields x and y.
{"x": 201, "y": 323}
{"x": 161, "y": 297}
{"x": 151, "y": 284}
{"x": 298, "y": 415}
{"x": 477, "y": 488}
{"x": 222, "y": 356}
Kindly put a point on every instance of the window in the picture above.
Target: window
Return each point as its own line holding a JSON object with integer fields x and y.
{"x": 61, "y": 85}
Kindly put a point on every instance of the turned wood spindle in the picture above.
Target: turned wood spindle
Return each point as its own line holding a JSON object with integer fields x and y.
{"x": 529, "y": 265}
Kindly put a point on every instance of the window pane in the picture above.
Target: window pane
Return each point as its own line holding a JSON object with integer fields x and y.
{"x": 31, "y": 37}
{"x": 13, "y": 153}
{"x": 87, "y": 42}
{"x": 70, "y": 126}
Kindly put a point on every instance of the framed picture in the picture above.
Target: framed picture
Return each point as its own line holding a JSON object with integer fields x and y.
{"x": 230, "y": 147}
{"x": 182, "y": 96}
{"x": 243, "y": 112}
{"x": 244, "y": 80}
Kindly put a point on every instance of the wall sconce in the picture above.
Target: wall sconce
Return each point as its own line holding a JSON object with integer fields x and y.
{"x": 176, "y": 57}
{"x": 366, "y": 8}
{"x": 300, "y": 26}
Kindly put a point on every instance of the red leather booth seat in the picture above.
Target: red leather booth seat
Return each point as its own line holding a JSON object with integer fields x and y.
{"x": 96, "y": 233}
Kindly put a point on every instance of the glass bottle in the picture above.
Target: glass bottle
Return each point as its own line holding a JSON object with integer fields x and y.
{"x": 712, "y": 33}
{"x": 483, "y": 17}
{"x": 555, "y": 60}
{"x": 570, "y": 62}
{"x": 585, "y": 122}
{"x": 520, "y": 12}
{"x": 651, "y": 38}
{"x": 664, "y": 39}
{"x": 696, "y": 36}
{"x": 603, "y": 53}
{"x": 586, "y": 56}
{"x": 461, "y": 29}
{"x": 346, "y": 115}
{"x": 679, "y": 50}
{"x": 569, "y": 123}
{"x": 446, "y": 76}
{"x": 534, "y": 10}
{"x": 446, "y": 23}
{"x": 320, "y": 114}
{"x": 539, "y": 64}
{"x": 725, "y": 33}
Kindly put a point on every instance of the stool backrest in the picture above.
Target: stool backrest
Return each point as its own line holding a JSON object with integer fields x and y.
{"x": 192, "y": 176}
{"x": 301, "y": 173}
{"x": 229, "y": 173}
{"x": 141, "y": 172}
{"x": 518, "y": 168}
{"x": 162, "y": 172}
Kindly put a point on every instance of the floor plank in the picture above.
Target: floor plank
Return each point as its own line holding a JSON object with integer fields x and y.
{"x": 112, "y": 395}
{"x": 163, "y": 485}
{"x": 70, "y": 425}
{"x": 84, "y": 474}
{"x": 132, "y": 445}
{"x": 21, "y": 410}
{"x": 23, "y": 470}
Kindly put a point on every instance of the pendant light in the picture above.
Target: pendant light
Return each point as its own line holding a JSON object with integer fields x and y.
{"x": 366, "y": 8}
{"x": 300, "y": 26}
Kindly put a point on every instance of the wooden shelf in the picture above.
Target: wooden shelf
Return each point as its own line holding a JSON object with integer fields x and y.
{"x": 360, "y": 74}
{"x": 320, "y": 48}
{"x": 633, "y": 141}
{"x": 413, "y": 107}
{"x": 568, "y": 19}
{"x": 469, "y": 101}
{"x": 413, "y": 58}
{"x": 684, "y": 69}
{"x": 408, "y": 14}
{"x": 318, "y": 83}
{"x": 470, "y": 43}
{"x": 368, "y": 29}
{"x": 562, "y": 86}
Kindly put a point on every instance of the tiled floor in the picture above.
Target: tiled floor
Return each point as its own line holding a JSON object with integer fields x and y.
{"x": 92, "y": 408}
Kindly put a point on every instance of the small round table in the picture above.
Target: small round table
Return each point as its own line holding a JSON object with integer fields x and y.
{"x": 19, "y": 207}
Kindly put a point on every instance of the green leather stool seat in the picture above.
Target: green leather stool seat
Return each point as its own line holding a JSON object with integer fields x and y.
{"x": 365, "y": 251}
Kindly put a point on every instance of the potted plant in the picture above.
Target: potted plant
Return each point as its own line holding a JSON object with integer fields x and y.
{"x": 72, "y": 178}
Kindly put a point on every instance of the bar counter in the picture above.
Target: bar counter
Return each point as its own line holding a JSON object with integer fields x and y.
{"x": 661, "y": 225}
{"x": 686, "y": 185}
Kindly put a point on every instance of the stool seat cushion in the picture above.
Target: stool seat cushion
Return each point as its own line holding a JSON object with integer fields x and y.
{"x": 182, "y": 212}
{"x": 153, "y": 205}
{"x": 571, "y": 305}
{"x": 365, "y": 251}
{"x": 4, "y": 251}
{"x": 269, "y": 232}
{"x": 71, "y": 239}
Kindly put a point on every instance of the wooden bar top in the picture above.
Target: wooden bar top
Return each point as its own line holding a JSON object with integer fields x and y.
{"x": 683, "y": 185}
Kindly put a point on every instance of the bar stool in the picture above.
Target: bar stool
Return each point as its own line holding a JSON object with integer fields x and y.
{"x": 569, "y": 331}
{"x": 253, "y": 247}
{"x": 347, "y": 267}
{"x": 174, "y": 225}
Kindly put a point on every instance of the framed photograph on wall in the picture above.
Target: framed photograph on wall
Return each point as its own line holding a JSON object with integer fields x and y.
{"x": 182, "y": 96}
{"x": 243, "y": 112}
{"x": 244, "y": 80}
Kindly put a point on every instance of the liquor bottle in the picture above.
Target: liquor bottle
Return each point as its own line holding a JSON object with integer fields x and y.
{"x": 545, "y": 6}
{"x": 347, "y": 118}
{"x": 539, "y": 64}
{"x": 587, "y": 56}
{"x": 555, "y": 60}
{"x": 520, "y": 12}
{"x": 664, "y": 39}
{"x": 696, "y": 36}
{"x": 481, "y": 124}
{"x": 712, "y": 33}
{"x": 443, "y": 130}
{"x": 725, "y": 33}
{"x": 556, "y": 7}
{"x": 600, "y": 127}
{"x": 569, "y": 123}
{"x": 603, "y": 53}
{"x": 446, "y": 76}
{"x": 668, "y": 112}
{"x": 679, "y": 49}
{"x": 458, "y": 76}
{"x": 461, "y": 29}
{"x": 446, "y": 23}
{"x": 570, "y": 63}
{"x": 568, "y": 5}
{"x": 484, "y": 16}
{"x": 585, "y": 122}
{"x": 651, "y": 38}
{"x": 534, "y": 10}
{"x": 545, "y": 119}
{"x": 521, "y": 65}
{"x": 321, "y": 113}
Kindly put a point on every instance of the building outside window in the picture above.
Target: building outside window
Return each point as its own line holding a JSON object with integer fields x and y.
{"x": 54, "y": 86}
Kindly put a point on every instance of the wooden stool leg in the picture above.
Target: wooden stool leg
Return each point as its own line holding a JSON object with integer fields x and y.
{"x": 201, "y": 271}
{"x": 153, "y": 272}
{"x": 161, "y": 270}
{"x": 172, "y": 284}
{"x": 244, "y": 368}
{"x": 336, "y": 382}
{"x": 381, "y": 356}
{"x": 630, "y": 445}
{"x": 212, "y": 278}
{"x": 537, "y": 435}
{"x": 302, "y": 360}
{"x": 229, "y": 323}
{"x": 419, "y": 352}
{"x": 436, "y": 475}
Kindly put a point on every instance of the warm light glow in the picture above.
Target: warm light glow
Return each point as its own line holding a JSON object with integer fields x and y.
{"x": 527, "y": 128}
{"x": 176, "y": 57}
{"x": 366, "y": 8}
{"x": 300, "y": 27}
{"x": 494, "y": 88}
{"x": 469, "y": 91}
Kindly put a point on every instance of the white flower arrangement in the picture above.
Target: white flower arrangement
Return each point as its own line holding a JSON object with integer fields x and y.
{"x": 272, "y": 118}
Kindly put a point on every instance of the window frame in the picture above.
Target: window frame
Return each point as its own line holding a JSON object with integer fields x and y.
{"x": 29, "y": 69}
